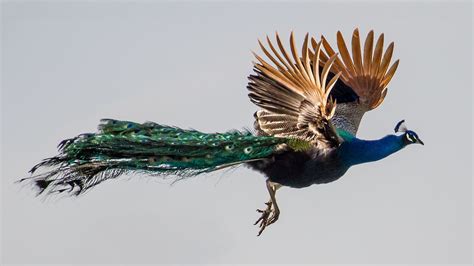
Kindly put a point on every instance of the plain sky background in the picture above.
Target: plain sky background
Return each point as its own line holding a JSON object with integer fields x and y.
{"x": 66, "y": 66}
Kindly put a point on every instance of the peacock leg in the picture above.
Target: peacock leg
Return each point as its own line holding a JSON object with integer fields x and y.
{"x": 272, "y": 212}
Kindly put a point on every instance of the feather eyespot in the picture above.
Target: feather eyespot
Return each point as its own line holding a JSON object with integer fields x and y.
{"x": 229, "y": 147}
{"x": 248, "y": 150}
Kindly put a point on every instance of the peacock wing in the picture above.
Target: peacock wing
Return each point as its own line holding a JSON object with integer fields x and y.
{"x": 365, "y": 73}
{"x": 293, "y": 95}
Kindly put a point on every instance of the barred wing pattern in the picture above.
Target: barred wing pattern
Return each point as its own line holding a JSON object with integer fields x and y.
{"x": 294, "y": 95}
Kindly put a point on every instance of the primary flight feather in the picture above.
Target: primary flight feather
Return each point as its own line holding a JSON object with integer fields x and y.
{"x": 312, "y": 101}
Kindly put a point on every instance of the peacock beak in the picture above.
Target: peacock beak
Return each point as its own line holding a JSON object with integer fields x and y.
{"x": 421, "y": 142}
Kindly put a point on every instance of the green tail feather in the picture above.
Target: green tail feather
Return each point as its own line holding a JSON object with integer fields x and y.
{"x": 121, "y": 147}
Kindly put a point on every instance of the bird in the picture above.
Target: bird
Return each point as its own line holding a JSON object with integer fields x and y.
{"x": 310, "y": 105}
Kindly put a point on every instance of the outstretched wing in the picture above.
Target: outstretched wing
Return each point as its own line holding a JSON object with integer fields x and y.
{"x": 294, "y": 95}
{"x": 366, "y": 73}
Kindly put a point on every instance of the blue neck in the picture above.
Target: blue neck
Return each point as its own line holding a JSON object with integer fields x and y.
{"x": 356, "y": 151}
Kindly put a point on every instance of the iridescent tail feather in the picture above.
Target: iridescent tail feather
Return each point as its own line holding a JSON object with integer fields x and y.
{"x": 122, "y": 147}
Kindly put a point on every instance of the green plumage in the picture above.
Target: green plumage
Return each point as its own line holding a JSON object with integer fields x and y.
{"x": 154, "y": 147}
{"x": 122, "y": 146}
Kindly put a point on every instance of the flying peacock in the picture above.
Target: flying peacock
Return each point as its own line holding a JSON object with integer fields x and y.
{"x": 305, "y": 132}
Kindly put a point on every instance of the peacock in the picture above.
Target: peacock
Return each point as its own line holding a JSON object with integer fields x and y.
{"x": 305, "y": 131}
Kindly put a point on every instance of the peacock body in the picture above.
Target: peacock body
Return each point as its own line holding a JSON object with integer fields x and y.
{"x": 305, "y": 132}
{"x": 311, "y": 167}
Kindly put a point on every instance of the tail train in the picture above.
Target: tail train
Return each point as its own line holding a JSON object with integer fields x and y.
{"x": 122, "y": 147}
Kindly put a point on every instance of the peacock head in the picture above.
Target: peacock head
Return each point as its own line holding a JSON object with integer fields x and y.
{"x": 409, "y": 136}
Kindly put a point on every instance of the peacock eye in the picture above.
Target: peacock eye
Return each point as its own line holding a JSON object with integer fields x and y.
{"x": 410, "y": 137}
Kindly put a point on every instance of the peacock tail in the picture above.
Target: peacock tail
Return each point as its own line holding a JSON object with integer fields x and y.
{"x": 122, "y": 147}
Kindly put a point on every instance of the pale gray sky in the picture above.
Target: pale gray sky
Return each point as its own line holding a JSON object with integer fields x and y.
{"x": 66, "y": 66}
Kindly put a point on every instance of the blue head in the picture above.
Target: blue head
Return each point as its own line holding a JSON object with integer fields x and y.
{"x": 409, "y": 136}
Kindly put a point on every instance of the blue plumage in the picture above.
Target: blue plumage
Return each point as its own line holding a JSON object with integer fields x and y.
{"x": 303, "y": 169}
{"x": 358, "y": 151}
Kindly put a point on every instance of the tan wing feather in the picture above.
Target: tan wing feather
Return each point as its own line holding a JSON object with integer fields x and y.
{"x": 298, "y": 104}
{"x": 366, "y": 71}
{"x": 298, "y": 75}
{"x": 368, "y": 50}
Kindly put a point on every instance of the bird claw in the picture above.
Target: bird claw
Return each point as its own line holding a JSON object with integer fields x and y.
{"x": 268, "y": 217}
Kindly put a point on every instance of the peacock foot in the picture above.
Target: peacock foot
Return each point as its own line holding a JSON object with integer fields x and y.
{"x": 269, "y": 216}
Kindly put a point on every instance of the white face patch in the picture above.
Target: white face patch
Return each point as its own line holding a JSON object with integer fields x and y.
{"x": 410, "y": 138}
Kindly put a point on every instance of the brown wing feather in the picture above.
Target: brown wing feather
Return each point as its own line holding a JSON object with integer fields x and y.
{"x": 367, "y": 73}
{"x": 294, "y": 95}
